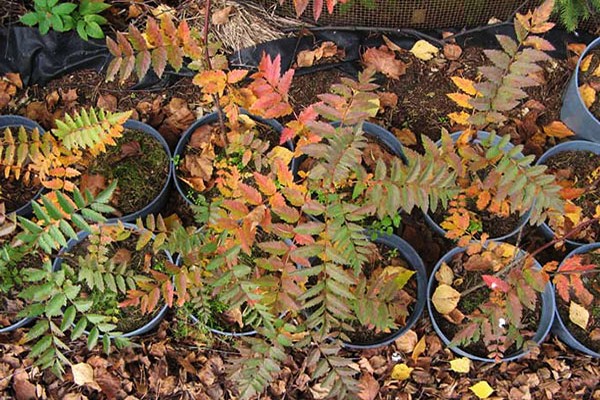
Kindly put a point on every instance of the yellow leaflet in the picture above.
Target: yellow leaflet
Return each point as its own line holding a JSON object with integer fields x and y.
{"x": 466, "y": 85}
{"x": 402, "y": 275}
{"x": 460, "y": 118}
{"x": 461, "y": 99}
{"x": 282, "y": 153}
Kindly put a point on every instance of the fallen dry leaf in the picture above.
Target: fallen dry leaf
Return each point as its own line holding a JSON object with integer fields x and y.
{"x": 482, "y": 389}
{"x": 369, "y": 387}
{"x": 384, "y": 60}
{"x": 558, "y": 130}
{"x": 424, "y": 50}
{"x": 388, "y": 99}
{"x": 445, "y": 298}
{"x": 586, "y": 62}
{"x": 108, "y": 102}
{"x": 466, "y": 85}
{"x": 407, "y": 342}
{"x": 445, "y": 274}
{"x": 83, "y": 374}
{"x": 133, "y": 11}
{"x": 95, "y": 183}
{"x": 588, "y": 94}
{"x": 24, "y": 389}
{"x": 401, "y": 372}
{"x": 419, "y": 349}
{"x": 452, "y": 51}
{"x": 579, "y": 315}
{"x": 461, "y": 365}
{"x": 406, "y": 136}
{"x": 130, "y": 149}
{"x": 577, "y": 48}
{"x": 221, "y": 16}
{"x": 391, "y": 45}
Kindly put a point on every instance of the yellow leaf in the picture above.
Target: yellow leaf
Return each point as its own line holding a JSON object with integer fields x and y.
{"x": 445, "y": 274}
{"x": 445, "y": 298}
{"x": 374, "y": 105}
{"x": 401, "y": 275}
{"x": 573, "y": 213}
{"x": 461, "y": 99}
{"x": 579, "y": 315}
{"x": 461, "y": 365}
{"x": 281, "y": 152}
{"x": 466, "y": 85}
{"x": 483, "y": 390}
{"x": 419, "y": 349}
{"x": 401, "y": 372}
{"x": 597, "y": 71}
{"x": 588, "y": 94}
{"x": 597, "y": 213}
{"x": 586, "y": 62}
{"x": 407, "y": 342}
{"x": 460, "y": 118}
{"x": 558, "y": 130}
{"x": 507, "y": 250}
{"x": 424, "y": 50}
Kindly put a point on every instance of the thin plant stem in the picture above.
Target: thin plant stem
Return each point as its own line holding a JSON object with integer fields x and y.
{"x": 516, "y": 261}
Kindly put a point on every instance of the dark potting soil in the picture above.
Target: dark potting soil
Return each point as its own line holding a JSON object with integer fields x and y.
{"x": 128, "y": 318}
{"x": 591, "y": 77}
{"x": 16, "y": 194}
{"x": 141, "y": 166}
{"x": 265, "y": 133}
{"x": 10, "y": 303}
{"x": 582, "y": 168}
{"x": 592, "y": 284}
{"x": 467, "y": 304}
{"x": 405, "y": 298}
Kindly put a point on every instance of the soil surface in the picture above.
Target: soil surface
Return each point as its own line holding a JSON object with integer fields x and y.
{"x": 15, "y": 194}
{"x": 592, "y": 284}
{"x": 464, "y": 280}
{"x": 580, "y": 169}
{"x": 139, "y": 163}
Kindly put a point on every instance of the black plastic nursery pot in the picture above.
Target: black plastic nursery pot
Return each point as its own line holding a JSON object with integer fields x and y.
{"x": 156, "y": 204}
{"x": 383, "y": 136}
{"x": 545, "y": 322}
{"x": 574, "y": 112}
{"x": 184, "y": 189}
{"x": 559, "y": 328}
{"x": 156, "y": 319}
{"x": 14, "y": 122}
{"x": 574, "y": 145}
{"x": 481, "y": 135}
{"x": 414, "y": 261}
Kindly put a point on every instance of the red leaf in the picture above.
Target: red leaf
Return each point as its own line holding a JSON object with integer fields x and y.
{"x": 495, "y": 283}
{"x": 250, "y": 194}
{"x": 167, "y": 289}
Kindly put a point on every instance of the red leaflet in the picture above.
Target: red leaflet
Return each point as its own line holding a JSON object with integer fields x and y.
{"x": 496, "y": 283}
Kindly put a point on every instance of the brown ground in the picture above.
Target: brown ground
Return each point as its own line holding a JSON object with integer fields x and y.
{"x": 168, "y": 366}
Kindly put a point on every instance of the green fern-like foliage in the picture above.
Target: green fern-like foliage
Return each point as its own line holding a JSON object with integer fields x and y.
{"x": 91, "y": 131}
{"x": 513, "y": 69}
{"x": 572, "y": 12}
{"x": 50, "y": 293}
{"x": 52, "y": 157}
